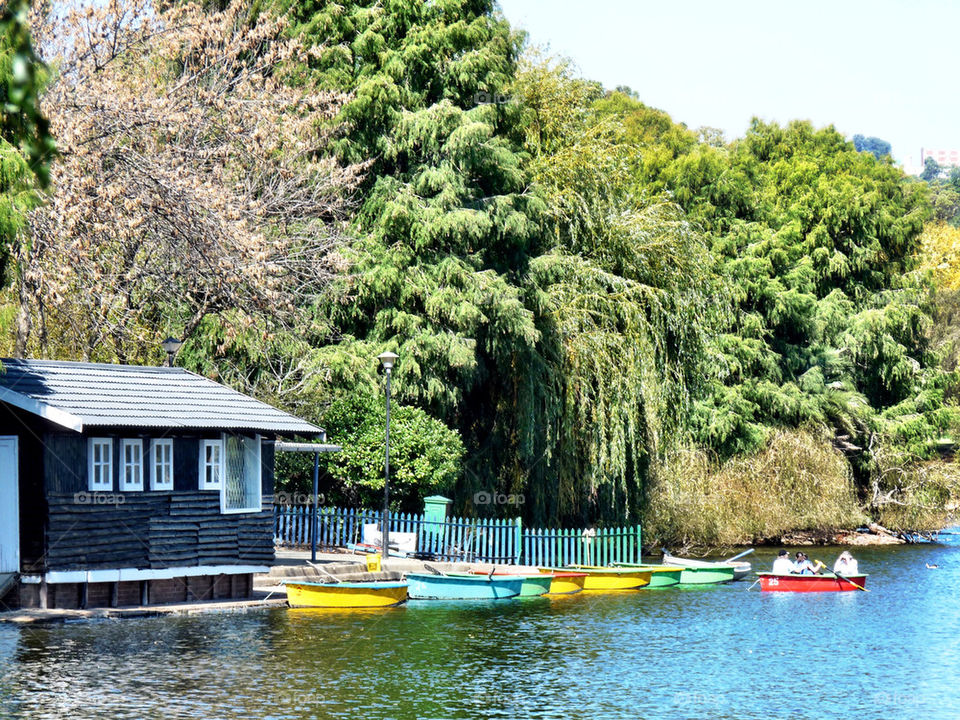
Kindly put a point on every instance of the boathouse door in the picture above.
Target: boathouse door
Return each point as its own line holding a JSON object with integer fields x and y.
{"x": 9, "y": 506}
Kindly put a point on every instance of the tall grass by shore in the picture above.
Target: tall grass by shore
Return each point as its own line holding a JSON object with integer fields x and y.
{"x": 799, "y": 481}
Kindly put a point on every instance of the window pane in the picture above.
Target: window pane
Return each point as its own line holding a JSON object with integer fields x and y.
{"x": 242, "y": 473}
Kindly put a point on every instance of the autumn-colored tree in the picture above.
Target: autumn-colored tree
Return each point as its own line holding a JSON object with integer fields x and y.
{"x": 939, "y": 254}
{"x": 188, "y": 190}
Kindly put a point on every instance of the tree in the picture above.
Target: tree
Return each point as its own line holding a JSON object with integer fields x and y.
{"x": 447, "y": 222}
{"x": 621, "y": 304}
{"x": 22, "y": 124}
{"x": 188, "y": 191}
{"x": 879, "y": 148}
{"x": 24, "y": 133}
{"x": 931, "y": 170}
{"x": 426, "y": 457}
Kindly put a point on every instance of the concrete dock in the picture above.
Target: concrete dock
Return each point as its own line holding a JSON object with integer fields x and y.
{"x": 268, "y": 588}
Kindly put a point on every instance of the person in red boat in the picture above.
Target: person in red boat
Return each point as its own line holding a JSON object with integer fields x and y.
{"x": 783, "y": 565}
{"x": 803, "y": 566}
{"x": 846, "y": 564}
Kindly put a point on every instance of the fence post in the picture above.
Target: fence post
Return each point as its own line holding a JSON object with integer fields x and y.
{"x": 639, "y": 546}
{"x": 518, "y": 540}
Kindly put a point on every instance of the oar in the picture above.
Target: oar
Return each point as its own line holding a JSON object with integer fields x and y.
{"x": 754, "y": 583}
{"x": 434, "y": 570}
{"x": 737, "y": 557}
{"x": 844, "y": 577}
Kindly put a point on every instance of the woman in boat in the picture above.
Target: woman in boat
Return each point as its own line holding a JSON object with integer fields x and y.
{"x": 846, "y": 564}
{"x": 803, "y": 566}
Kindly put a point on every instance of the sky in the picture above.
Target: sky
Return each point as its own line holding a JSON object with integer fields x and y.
{"x": 880, "y": 68}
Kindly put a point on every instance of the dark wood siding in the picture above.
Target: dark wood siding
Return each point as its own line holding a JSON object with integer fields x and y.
{"x": 186, "y": 461}
{"x": 154, "y": 530}
{"x": 65, "y": 462}
{"x": 65, "y": 527}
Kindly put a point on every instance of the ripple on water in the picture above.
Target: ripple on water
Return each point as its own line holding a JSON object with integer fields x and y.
{"x": 718, "y": 652}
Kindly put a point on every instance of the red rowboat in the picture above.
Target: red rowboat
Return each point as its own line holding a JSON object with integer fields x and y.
{"x": 810, "y": 583}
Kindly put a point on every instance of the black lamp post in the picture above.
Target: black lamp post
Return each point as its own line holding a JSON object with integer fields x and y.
{"x": 387, "y": 359}
{"x": 170, "y": 346}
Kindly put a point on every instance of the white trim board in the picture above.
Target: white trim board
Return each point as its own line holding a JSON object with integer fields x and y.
{"x": 54, "y": 415}
{"x": 128, "y": 574}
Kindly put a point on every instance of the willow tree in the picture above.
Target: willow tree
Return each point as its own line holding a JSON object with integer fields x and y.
{"x": 624, "y": 298}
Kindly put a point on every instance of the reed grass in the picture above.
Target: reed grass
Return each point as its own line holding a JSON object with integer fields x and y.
{"x": 798, "y": 481}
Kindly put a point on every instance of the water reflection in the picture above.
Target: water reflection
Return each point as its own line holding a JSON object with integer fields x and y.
{"x": 719, "y": 652}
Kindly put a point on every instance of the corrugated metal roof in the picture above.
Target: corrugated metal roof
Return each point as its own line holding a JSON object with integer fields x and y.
{"x": 78, "y": 395}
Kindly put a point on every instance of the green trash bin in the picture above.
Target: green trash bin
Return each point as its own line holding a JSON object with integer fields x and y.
{"x": 435, "y": 510}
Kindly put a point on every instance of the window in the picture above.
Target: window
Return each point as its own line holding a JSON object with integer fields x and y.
{"x": 161, "y": 469}
{"x": 131, "y": 462}
{"x": 211, "y": 464}
{"x": 100, "y": 464}
{"x": 241, "y": 488}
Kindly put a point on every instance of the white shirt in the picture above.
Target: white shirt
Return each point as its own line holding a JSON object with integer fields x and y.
{"x": 783, "y": 566}
{"x": 846, "y": 567}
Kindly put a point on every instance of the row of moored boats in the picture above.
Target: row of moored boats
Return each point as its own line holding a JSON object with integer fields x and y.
{"x": 505, "y": 582}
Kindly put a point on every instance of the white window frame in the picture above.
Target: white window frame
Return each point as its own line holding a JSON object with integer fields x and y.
{"x": 107, "y": 484}
{"x": 135, "y": 466}
{"x": 203, "y": 465}
{"x": 258, "y": 464}
{"x": 157, "y": 460}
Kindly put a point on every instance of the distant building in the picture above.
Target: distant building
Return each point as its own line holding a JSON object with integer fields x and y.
{"x": 944, "y": 158}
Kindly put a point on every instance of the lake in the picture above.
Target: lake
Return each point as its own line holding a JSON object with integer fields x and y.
{"x": 707, "y": 652}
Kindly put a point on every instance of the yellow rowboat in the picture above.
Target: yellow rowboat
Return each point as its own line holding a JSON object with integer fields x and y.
{"x": 606, "y": 579}
{"x": 662, "y": 576}
{"x": 566, "y": 582}
{"x": 346, "y": 594}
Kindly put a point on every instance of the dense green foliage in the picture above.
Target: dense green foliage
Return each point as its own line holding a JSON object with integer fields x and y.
{"x": 22, "y": 124}
{"x": 594, "y": 306}
{"x": 582, "y": 286}
{"x": 22, "y": 131}
{"x": 425, "y": 456}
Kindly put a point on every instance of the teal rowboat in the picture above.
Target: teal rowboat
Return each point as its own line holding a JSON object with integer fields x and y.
{"x": 660, "y": 577}
{"x": 533, "y": 585}
{"x": 424, "y": 586}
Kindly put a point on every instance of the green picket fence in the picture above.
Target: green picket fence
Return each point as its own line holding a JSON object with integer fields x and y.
{"x": 503, "y": 541}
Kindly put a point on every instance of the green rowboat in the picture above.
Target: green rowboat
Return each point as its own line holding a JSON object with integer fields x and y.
{"x": 694, "y": 575}
{"x": 533, "y": 585}
{"x": 707, "y": 575}
{"x": 660, "y": 576}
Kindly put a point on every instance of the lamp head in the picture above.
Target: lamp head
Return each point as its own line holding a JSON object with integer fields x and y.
{"x": 171, "y": 345}
{"x": 387, "y": 359}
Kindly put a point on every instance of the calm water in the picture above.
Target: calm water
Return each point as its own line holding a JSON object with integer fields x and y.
{"x": 713, "y": 652}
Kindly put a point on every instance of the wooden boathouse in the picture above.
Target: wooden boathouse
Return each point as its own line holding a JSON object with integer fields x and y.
{"x": 125, "y": 485}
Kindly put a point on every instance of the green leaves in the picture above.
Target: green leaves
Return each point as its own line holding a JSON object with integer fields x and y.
{"x": 425, "y": 455}
{"x": 22, "y": 72}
